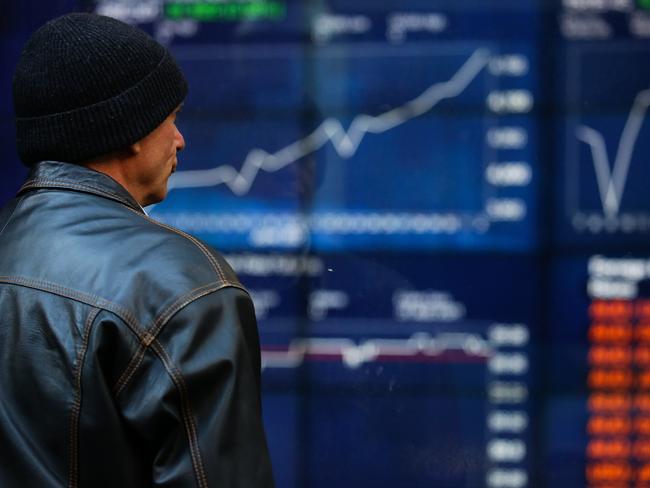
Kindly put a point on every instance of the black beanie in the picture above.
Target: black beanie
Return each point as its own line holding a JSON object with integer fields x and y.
{"x": 87, "y": 85}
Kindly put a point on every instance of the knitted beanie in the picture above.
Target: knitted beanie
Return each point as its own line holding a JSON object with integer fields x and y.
{"x": 87, "y": 85}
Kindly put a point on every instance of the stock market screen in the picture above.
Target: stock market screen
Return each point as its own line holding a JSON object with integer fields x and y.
{"x": 441, "y": 210}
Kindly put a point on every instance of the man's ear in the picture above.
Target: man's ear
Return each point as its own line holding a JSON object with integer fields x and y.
{"x": 135, "y": 148}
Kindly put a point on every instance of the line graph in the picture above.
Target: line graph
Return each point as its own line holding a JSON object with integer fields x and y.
{"x": 612, "y": 178}
{"x": 345, "y": 142}
{"x": 352, "y": 132}
{"x": 420, "y": 346}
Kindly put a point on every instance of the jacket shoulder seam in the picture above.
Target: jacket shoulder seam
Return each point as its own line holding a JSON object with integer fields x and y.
{"x": 158, "y": 325}
{"x": 184, "y": 300}
{"x": 87, "y": 298}
{"x": 208, "y": 255}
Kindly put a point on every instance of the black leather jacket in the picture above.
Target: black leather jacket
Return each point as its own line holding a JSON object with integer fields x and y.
{"x": 129, "y": 354}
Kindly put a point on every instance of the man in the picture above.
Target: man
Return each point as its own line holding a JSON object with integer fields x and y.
{"x": 129, "y": 354}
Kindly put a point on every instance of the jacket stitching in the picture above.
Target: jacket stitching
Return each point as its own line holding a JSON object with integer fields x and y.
{"x": 163, "y": 316}
{"x": 203, "y": 249}
{"x": 186, "y": 410}
{"x": 41, "y": 183}
{"x": 185, "y": 300}
{"x": 158, "y": 326}
{"x": 73, "y": 469}
{"x": 130, "y": 370}
{"x": 89, "y": 299}
{"x": 54, "y": 183}
{"x": 49, "y": 183}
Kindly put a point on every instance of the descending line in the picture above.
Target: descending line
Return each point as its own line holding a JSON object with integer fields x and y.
{"x": 601, "y": 164}
{"x": 612, "y": 180}
{"x": 331, "y": 130}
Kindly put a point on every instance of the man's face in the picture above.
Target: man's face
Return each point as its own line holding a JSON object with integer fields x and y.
{"x": 156, "y": 160}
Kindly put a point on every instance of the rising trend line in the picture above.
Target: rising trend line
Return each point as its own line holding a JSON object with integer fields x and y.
{"x": 331, "y": 130}
{"x": 611, "y": 180}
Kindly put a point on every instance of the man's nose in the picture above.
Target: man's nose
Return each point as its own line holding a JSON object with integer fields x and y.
{"x": 180, "y": 141}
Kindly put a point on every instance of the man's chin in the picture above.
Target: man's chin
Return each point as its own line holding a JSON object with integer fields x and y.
{"x": 155, "y": 199}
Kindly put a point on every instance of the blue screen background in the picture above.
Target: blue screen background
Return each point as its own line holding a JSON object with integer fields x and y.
{"x": 413, "y": 191}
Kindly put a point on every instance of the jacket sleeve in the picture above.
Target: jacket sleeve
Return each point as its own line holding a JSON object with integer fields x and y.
{"x": 194, "y": 398}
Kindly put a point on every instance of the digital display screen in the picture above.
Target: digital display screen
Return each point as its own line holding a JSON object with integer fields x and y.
{"x": 440, "y": 209}
{"x": 604, "y": 88}
{"x": 392, "y": 131}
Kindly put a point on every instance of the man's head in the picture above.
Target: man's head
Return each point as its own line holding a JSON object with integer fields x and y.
{"x": 144, "y": 167}
{"x": 89, "y": 89}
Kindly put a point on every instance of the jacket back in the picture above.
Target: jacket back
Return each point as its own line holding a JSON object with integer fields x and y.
{"x": 129, "y": 353}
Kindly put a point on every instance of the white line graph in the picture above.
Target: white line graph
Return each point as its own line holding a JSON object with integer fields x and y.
{"x": 612, "y": 179}
{"x": 345, "y": 142}
{"x": 354, "y": 354}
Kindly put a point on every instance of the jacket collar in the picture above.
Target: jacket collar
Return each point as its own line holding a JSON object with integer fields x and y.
{"x": 55, "y": 174}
